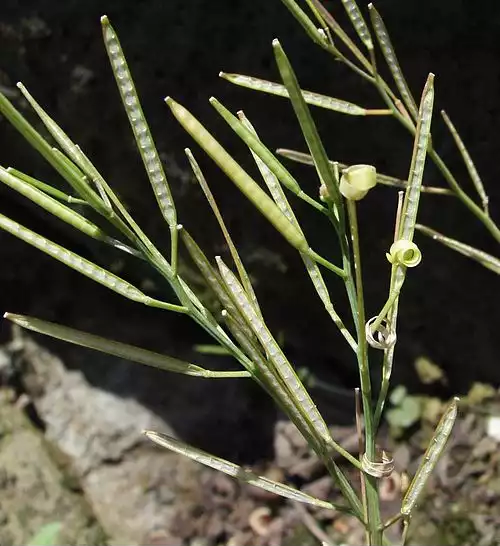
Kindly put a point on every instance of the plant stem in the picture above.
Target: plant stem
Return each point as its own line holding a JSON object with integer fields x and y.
{"x": 372, "y": 499}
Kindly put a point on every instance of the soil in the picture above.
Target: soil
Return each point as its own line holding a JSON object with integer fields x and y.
{"x": 72, "y": 453}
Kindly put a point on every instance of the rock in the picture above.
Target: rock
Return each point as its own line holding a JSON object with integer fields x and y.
{"x": 134, "y": 487}
{"x": 33, "y": 489}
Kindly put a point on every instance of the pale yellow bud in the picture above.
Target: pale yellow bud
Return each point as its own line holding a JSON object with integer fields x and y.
{"x": 357, "y": 180}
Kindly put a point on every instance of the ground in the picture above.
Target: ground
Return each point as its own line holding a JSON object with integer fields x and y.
{"x": 74, "y": 454}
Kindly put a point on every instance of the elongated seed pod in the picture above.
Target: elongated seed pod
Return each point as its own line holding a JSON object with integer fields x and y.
{"x": 46, "y": 188}
{"x": 467, "y": 159}
{"x": 83, "y": 266}
{"x": 314, "y": 99}
{"x": 312, "y": 268}
{"x": 358, "y": 22}
{"x": 51, "y": 205}
{"x": 271, "y": 381}
{"x": 109, "y": 346}
{"x": 245, "y": 278}
{"x": 234, "y": 470}
{"x": 431, "y": 457}
{"x": 274, "y": 352}
{"x": 47, "y": 152}
{"x": 421, "y": 142}
{"x": 307, "y": 125}
{"x": 213, "y": 279}
{"x": 392, "y": 61}
{"x": 485, "y": 259}
{"x": 240, "y": 177}
{"x": 145, "y": 143}
{"x": 306, "y": 23}
{"x": 265, "y": 155}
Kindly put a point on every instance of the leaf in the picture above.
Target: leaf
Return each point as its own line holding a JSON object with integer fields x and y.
{"x": 406, "y": 414}
{"x": 428, "y": 372}
{"x": 234, "y": 470}
{"x": 431, "y": 457}
{"x": 314, "y": 99}
{"x": 384, "y": 41}
{"x": 116, "y": 348}
{"x": 485, "y": 259}
{"x": 48, "y": 535}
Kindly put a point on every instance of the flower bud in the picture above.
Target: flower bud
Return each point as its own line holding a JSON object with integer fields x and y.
{"x": 357, "y": 180}
{"x": 405, "y": 253}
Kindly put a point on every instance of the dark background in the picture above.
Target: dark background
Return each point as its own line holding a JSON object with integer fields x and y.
{"x": 449, "y": 309}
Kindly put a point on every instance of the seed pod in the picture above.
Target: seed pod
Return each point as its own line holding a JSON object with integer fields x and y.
{"x": 405, "y": 253}
{"x": 240, "y": 177}
{"x": 357, "y": 180}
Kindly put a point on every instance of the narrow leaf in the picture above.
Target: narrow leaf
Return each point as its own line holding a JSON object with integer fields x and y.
{"x": 48, "y": 203}
{"x": 358, "y": 22}
{"x": 46, "y": 188}
{"x": 392, "y": 61}
{"x": 306, "y": 159}
{"x": 471, "y": 168}
{"x": 240, "y": 177}
{"x": 485, "y": 259}
{"x": 115, "y": 348}
{"x": 307, "y": 125}
{"x": 140, "y": 128}
{"x": 83, "y": 266}
{"x": 256, "y": 146}
{"x": 421, "y": 142}
{"x": 431, "y": 457}
{"x": 234, "y": 470}
{"x": 245, "y": 278}
{"x": 314, "y": 99}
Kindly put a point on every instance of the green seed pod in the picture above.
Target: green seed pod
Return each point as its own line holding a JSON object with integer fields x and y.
{"x": 405, "y": 253}
{"x": 357, "y": 180}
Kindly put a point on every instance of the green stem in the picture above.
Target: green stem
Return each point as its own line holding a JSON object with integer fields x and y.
{"x": 372, "y": 499}
{"x": 324, "y": 262}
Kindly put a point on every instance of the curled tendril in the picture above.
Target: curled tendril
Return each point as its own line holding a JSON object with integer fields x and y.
{"x": 382, "y": 467}
{"x": 357, "y": 180}
{"x": 383, "y": 338}
{"x": 405, "y": 253}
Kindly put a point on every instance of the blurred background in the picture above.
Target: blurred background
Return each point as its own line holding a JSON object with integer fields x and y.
{"x": 449, "y": 311}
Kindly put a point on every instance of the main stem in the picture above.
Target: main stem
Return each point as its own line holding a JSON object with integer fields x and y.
{"x": 372, "y": 499}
